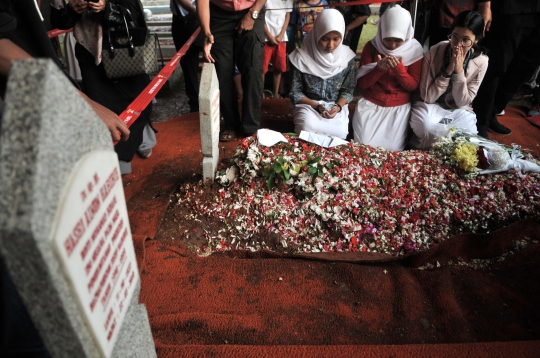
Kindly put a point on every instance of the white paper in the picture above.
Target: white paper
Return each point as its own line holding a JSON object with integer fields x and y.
{"x": 269, "y": 137}
{"x": 323, "y": 140}
{"x": 519, "y": 165}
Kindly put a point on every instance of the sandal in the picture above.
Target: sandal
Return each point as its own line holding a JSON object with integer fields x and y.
{"x": 227, "y": 135}
{"x": 268, "y": 94}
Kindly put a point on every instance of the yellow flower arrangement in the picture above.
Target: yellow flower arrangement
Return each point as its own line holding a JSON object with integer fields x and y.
{"x": 465, "y": 156}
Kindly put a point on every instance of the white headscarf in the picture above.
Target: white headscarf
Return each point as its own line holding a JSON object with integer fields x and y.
{"x": 396, "y": 22}
{"x": 314, "y": 61}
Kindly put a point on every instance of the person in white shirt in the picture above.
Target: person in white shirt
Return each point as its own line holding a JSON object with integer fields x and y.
{"x": 278, "y": 14}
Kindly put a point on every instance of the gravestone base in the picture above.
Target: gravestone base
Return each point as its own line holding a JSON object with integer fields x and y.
{"x": 134, "y": 331}
{"x": 209, "y": 167}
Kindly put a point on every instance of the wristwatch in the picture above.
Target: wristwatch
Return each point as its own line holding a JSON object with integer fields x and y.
{"x": 254, "y": 14}
{"x": 446, "y": 75}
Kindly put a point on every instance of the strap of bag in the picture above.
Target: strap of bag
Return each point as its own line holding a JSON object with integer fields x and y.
{"x": 131, "y": 48}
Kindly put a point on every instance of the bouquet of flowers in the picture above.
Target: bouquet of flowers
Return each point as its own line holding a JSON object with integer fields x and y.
{"x": 477, "y": 155}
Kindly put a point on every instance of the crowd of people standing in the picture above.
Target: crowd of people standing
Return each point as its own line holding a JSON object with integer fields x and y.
{"x": 480, "y": 53}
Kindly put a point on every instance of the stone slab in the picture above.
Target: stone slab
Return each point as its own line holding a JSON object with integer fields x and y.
{"x": 209, "y": 111}
{"x": 45, "y": 131}
{"x": 209, "y": 101}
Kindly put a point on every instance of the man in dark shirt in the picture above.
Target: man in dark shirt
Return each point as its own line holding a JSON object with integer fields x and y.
{"x": 234, "y": 34}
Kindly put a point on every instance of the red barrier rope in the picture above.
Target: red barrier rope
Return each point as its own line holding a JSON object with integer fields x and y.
{"x": 57, "y": 32}
{"x": 133, "y": 111}
{"x": 348, "y": 3}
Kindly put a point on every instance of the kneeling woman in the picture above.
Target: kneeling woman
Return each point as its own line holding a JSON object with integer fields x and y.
{"x": 390, "y": 70}
{"x": 323, "y": 78}
{"x": 451, "y": 74}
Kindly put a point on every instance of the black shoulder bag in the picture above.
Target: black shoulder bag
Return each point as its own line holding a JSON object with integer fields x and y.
{"x": 129, "y": 49}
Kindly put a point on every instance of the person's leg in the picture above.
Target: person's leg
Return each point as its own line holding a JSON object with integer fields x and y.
{"x": 182, "y": 28}
{"x": 248, "y": 48}
{"x": 277, "y": 81}
{"x": 238, "y": 84}
{"x": 383, "y": 8}
{"x": 535, "y": 107}
{"x": 524, "y": 63}
{"x": 424, "y": 121}
{"x": 355, "y": 38}
{"x": 268, "y": 53}
{"x": 222, "y": 26}
{"x": 19, "y": 337}
{"x": 280, "y": 66}
{"x": 533, "y": 81}
{"x": 116, "y": 95}
{"x": 149, "y": 141}
{"x": 502, "y": 40}
{"x": 291, "y": 33}
{"x": 190, "y": 65}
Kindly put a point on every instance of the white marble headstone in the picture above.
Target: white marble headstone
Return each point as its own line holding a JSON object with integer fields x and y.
{"x": 209, "y": 118}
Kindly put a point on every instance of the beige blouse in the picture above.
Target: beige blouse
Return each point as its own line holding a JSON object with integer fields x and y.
{"x": 464, "y": 87}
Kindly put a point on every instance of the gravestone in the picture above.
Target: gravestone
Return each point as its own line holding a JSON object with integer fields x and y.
{"x": 64, "y": 231}
{"x": 209, "y": 118}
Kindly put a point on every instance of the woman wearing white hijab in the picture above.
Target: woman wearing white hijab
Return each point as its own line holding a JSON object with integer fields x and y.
{"x": 390, "y": 70}
{"x": 323, "y": 78}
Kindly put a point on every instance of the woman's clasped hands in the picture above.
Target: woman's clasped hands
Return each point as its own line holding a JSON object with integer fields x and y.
{"x": 326, "y": 112}
{"x": 457, "y": 60}
{"x": 387, "y": 62}
{"x": 82, "y": 6}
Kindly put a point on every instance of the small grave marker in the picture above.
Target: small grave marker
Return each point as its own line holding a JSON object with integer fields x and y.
{"x": 210, "y": 117}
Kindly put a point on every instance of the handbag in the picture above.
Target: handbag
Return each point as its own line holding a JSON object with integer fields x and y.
{"x": 129, "y": 50}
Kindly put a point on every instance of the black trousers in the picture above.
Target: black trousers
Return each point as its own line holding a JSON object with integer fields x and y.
{"x": 19, "y": 337}
{"x": 245, "y": 50}
{"x": 182, "y": 29}
{"x": 116, "y": 95}
{"x": 514, "y": 54}
{"x": 353, "y": 37}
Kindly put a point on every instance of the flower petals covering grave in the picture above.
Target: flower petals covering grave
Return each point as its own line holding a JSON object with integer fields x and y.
{"x": 350, "y": 198}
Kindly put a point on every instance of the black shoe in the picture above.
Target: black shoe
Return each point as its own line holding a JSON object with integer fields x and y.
{"x": 483, "y": 133}
{"x": 498, "y": 128}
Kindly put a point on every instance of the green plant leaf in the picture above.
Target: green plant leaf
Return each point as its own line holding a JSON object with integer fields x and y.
{"x": 277, "y": 168}
{"x": 280, "y": 160}
{"x": 270, "y": 182}
{"x": 286, "y": 174}
{"x": 312, "y": 170}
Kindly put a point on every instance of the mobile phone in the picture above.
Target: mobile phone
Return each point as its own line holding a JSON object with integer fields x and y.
{"x": 92, "y": 0}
